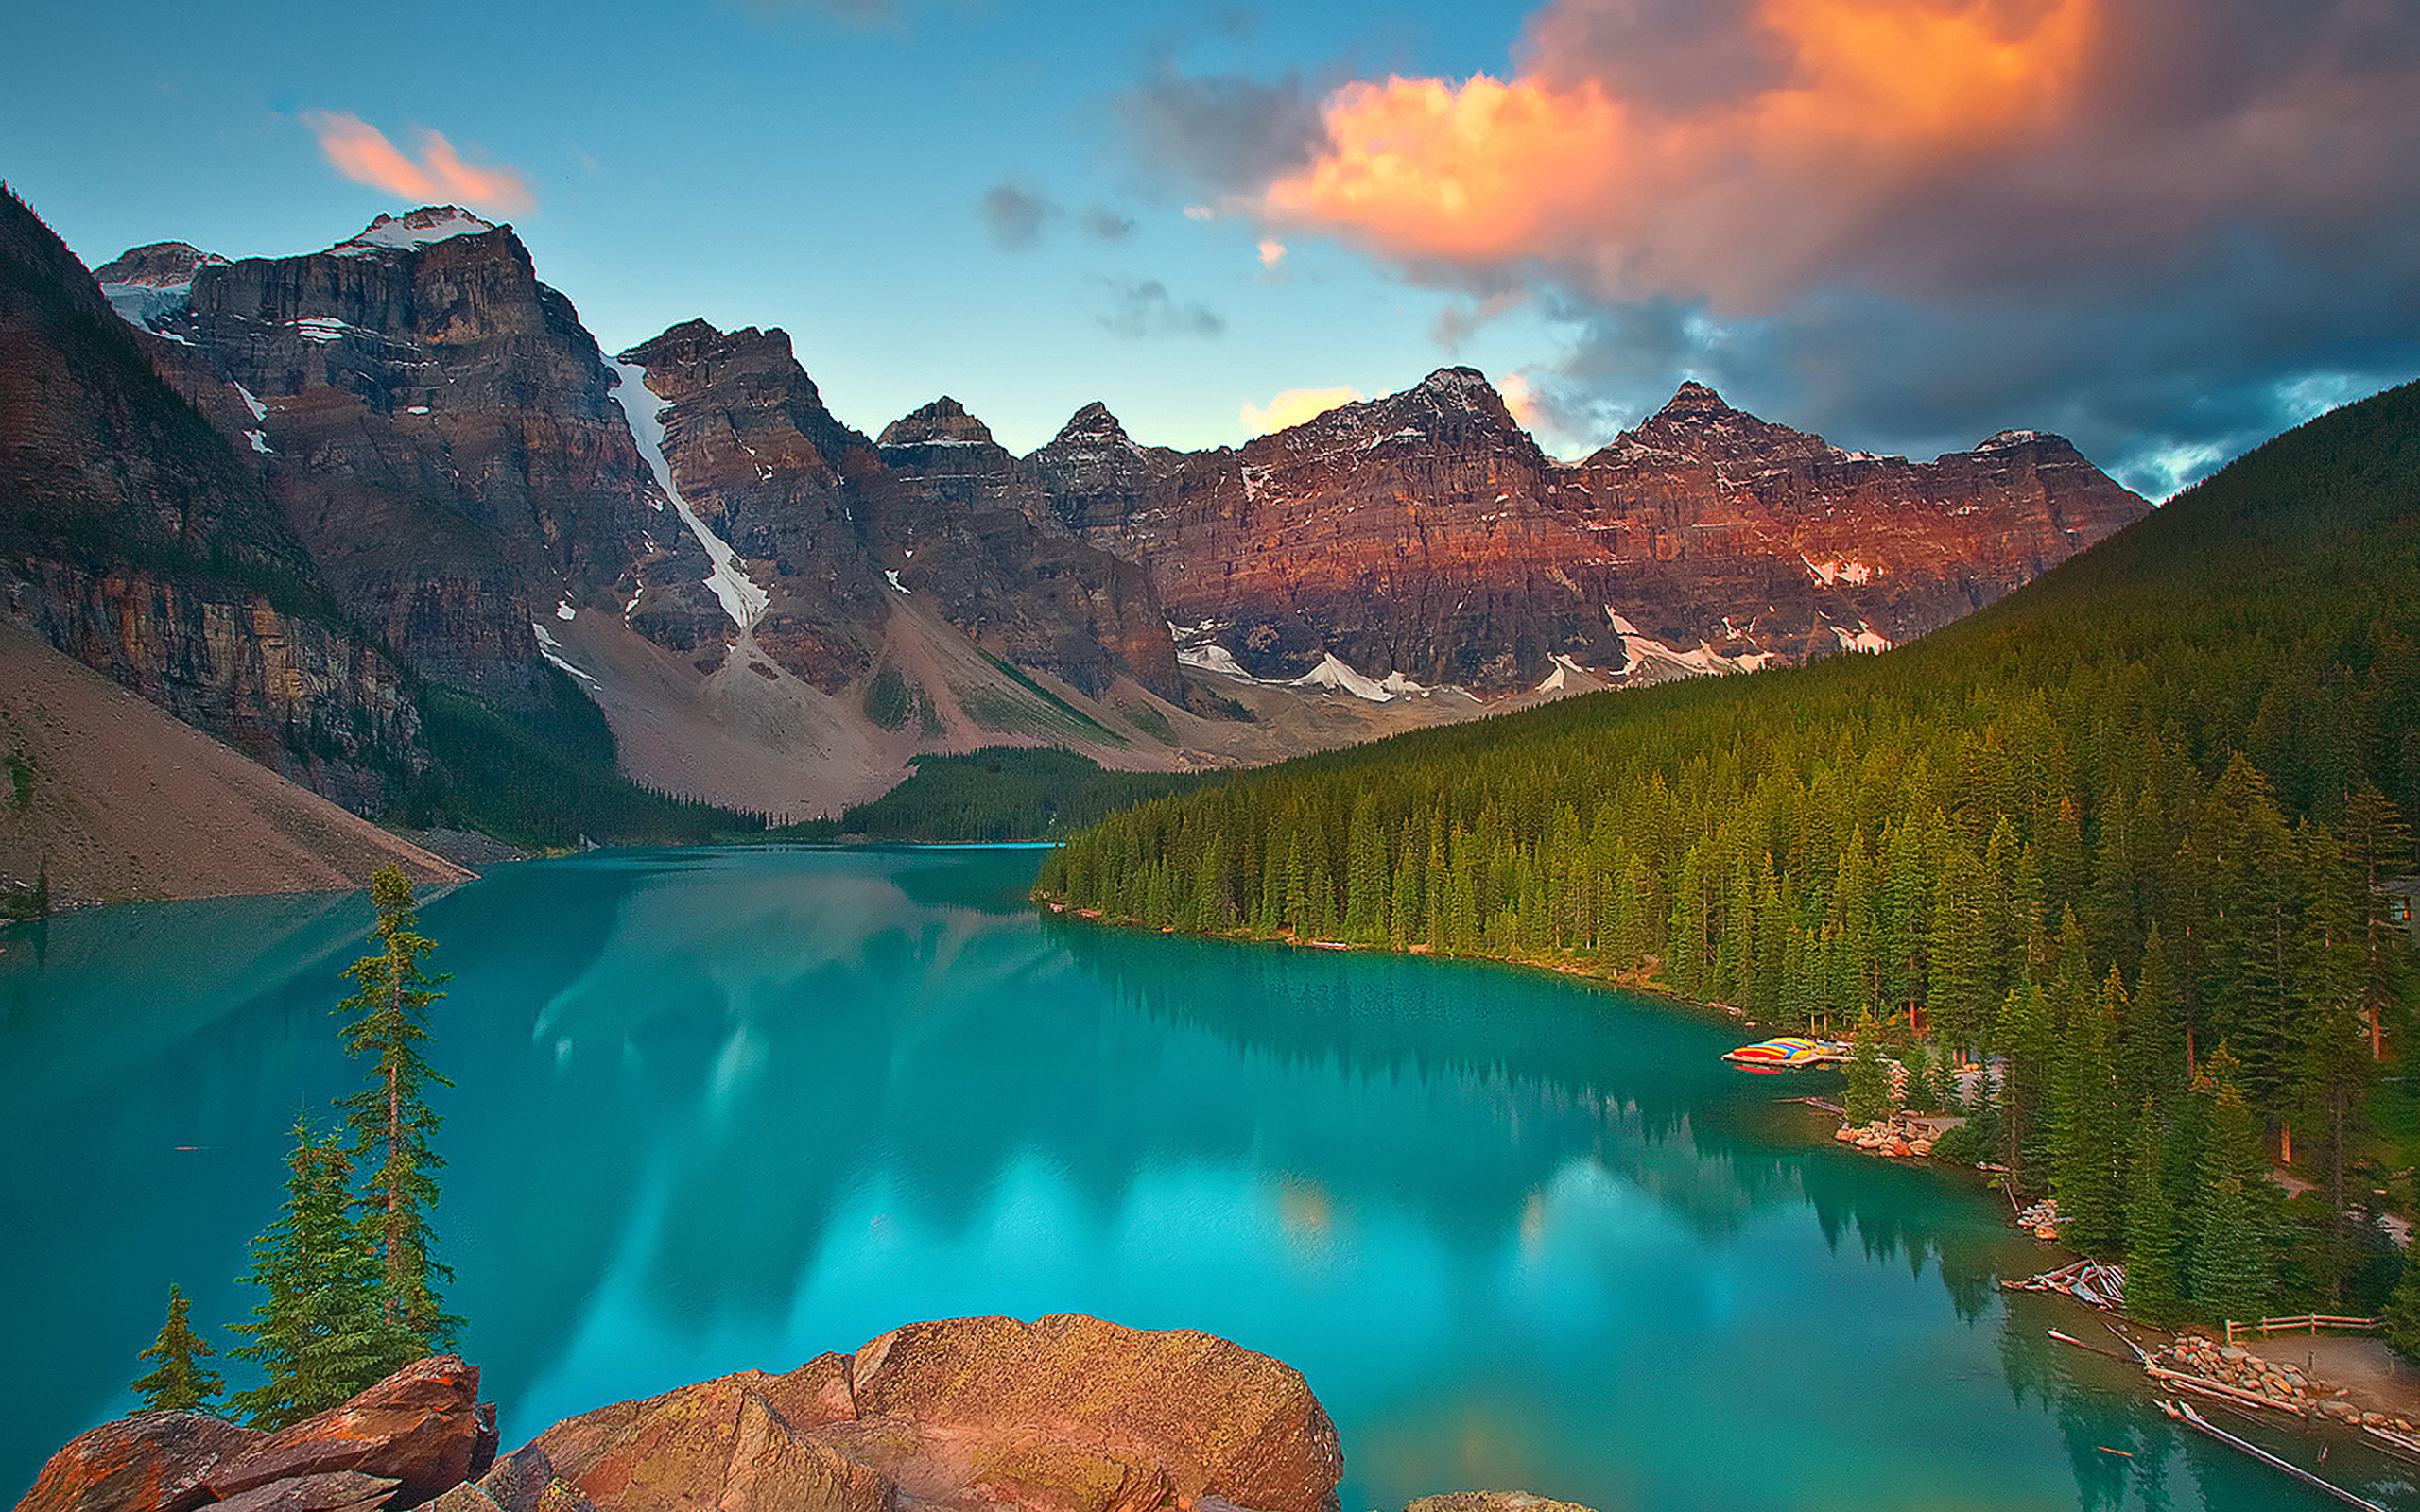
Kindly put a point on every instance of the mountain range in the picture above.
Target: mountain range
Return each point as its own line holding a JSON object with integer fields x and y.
{"x": 293, "y": 499}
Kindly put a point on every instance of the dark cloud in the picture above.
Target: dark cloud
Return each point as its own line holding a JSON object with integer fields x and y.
{"x": 1672, "y": 55}
{"x": 1140, "y": 308}
{"x": 2163, "y": 227}
{"x": 2160, "y": 392}
{"x": 1220, "y": 135}
{"x": 1014, "y": 214}
{"x": 1107, "y": 225}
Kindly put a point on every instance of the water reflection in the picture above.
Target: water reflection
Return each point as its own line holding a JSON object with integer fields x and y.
{"x": 728, "y": 1110}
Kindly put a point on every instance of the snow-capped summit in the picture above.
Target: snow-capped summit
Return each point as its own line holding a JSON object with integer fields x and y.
{"x": 415, "y": 228}
{"x": 147, "y": 283}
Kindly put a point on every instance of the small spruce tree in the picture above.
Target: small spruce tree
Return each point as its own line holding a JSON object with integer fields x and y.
{"x": 1868, "y": 1096}
{"x": 179, "y": 1381}
{"x": 314, "y": 1333}
{"x": 391, "y": 1127}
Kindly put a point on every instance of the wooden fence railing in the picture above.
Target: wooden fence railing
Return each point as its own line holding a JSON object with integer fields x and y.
{"x": 2308, "y": 1323}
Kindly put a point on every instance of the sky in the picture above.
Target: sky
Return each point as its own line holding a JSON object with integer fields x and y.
{"x": 2165, "y": 229}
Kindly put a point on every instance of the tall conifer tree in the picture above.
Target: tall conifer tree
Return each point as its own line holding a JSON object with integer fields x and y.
{"x": 392, "y": 1125}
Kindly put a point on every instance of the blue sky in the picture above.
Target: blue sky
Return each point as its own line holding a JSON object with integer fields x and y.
{"x": 2164, "y": 228}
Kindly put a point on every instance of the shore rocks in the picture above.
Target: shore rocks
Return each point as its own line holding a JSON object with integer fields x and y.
{"x": 1491, "y": 1502}
{"x": 415, "y": 1433}
{"x": 2280, "y": 1384}
{"x": 1067, "y": 1414}
{"x": 1895, "y": 1137}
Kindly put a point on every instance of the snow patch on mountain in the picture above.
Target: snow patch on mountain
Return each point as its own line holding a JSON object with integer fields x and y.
{"x": 553, "y": 651}
{"x": 416, "y": 227}
{"x": 1833, "y": 570}
{"x": 738, "y": 594}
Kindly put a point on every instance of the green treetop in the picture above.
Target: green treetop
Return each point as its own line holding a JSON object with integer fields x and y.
{"x": 314, "y": 1333}
{"x": 391, "y": 1127}
{"x": 178, "y": 1381}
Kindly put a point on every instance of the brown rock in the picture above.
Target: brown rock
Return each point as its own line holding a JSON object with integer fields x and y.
{"x": 151, "y": 1462}
{"x": 421, "y": 1426}
{"x": 1218, "y": 1419}
{"x": 1491, "y": 1502}
{"x": 523, "y": 1481}
{"x": 331, "y": 1491}
{"x": 1065, "y": 1415}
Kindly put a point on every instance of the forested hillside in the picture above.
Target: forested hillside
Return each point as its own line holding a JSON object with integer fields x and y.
{"x": 2130, "y": 814}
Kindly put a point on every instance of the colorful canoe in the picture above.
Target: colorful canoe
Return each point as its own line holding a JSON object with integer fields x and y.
{"x": 1789, "y": 1053}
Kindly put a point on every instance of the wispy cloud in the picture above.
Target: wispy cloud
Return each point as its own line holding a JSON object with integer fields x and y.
{"x": 1144, "y": 307}
{"x": 1016, "y": 214}
{"x": 362, "y": 153}
{"x": 1293, "y": 406}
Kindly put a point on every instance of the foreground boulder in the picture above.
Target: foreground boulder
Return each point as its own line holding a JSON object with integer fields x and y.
{"x": 1067, "y": 1414}
{"x": 397, "y": 1444}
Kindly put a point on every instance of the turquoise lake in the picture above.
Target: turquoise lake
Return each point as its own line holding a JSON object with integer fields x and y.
{"x": 722, "y": 1110}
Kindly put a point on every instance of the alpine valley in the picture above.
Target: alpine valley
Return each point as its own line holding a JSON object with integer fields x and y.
{"x": 387, "y": 518}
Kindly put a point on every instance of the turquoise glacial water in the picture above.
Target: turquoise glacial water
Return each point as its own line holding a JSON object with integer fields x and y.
{"x": 721, "y": 1109}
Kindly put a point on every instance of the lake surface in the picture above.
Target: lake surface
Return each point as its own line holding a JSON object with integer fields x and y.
{"x": 722, "y": 1110}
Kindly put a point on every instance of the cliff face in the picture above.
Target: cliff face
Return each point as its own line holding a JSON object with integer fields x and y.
{"x": 1426, "y": 534}
{"x": 832, "y": 524}
{"x": 439, "y": 431}
{"x": 133, "y": 538}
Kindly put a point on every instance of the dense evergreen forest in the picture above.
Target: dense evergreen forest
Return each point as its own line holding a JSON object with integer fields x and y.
{"x": 994, "y": 793}
{"x": 2117, "y": 834}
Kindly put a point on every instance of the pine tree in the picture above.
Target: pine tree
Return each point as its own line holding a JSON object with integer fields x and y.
{"x": 315, "y": 1332}
{"x": 2400, "y": 1322}
{"x": 178, "y": 1381}
{"x": 1868, "y": 1096}
{"x": 2086, "y": 1147}
{"x": 2154, "y": 1289}
{"x": 2231, "y": 1269}
{"x": 391, "y": 1124}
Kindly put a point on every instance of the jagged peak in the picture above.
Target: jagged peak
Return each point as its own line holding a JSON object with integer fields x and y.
{"x": 158, "y": 265}
{"x": 414, "y": 228}
{"x": 1462, "y": 384}
{"x": 1694, "y": 397}
{"x": 942, "y": 423}
{"x": 1091, "y": 426}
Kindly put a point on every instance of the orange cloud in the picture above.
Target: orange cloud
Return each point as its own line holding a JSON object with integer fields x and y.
{"x": 1741, "y": 197}
{"x": 1518, "y": 400}
{"x": 362, "y": 153}
{"x": 1293, "y": 406}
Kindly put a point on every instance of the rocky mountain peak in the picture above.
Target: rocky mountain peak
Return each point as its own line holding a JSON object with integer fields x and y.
{"x": 1091, "y": 426}
{"x": 145, "y": 283}
{"x": 415, "y": 228}
{"x": 1695, "y": 398}
{"x": 159, "y": 266}
{"x": 1697, "y": 424}
{"x": 1466, "y": 384}
{"x": 942, "y": 423}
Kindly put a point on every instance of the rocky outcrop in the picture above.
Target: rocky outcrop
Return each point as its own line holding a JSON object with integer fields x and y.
{"x": 397, "y": 1444}
{"x": 440, "y": 432}
{"x": 1068, "y": 1414}
{"x": 1490, "y": 1501}
{"x": 135, "y": 539}
{"x": 831, "y": 524}
{"x": 1427, "y": 534}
